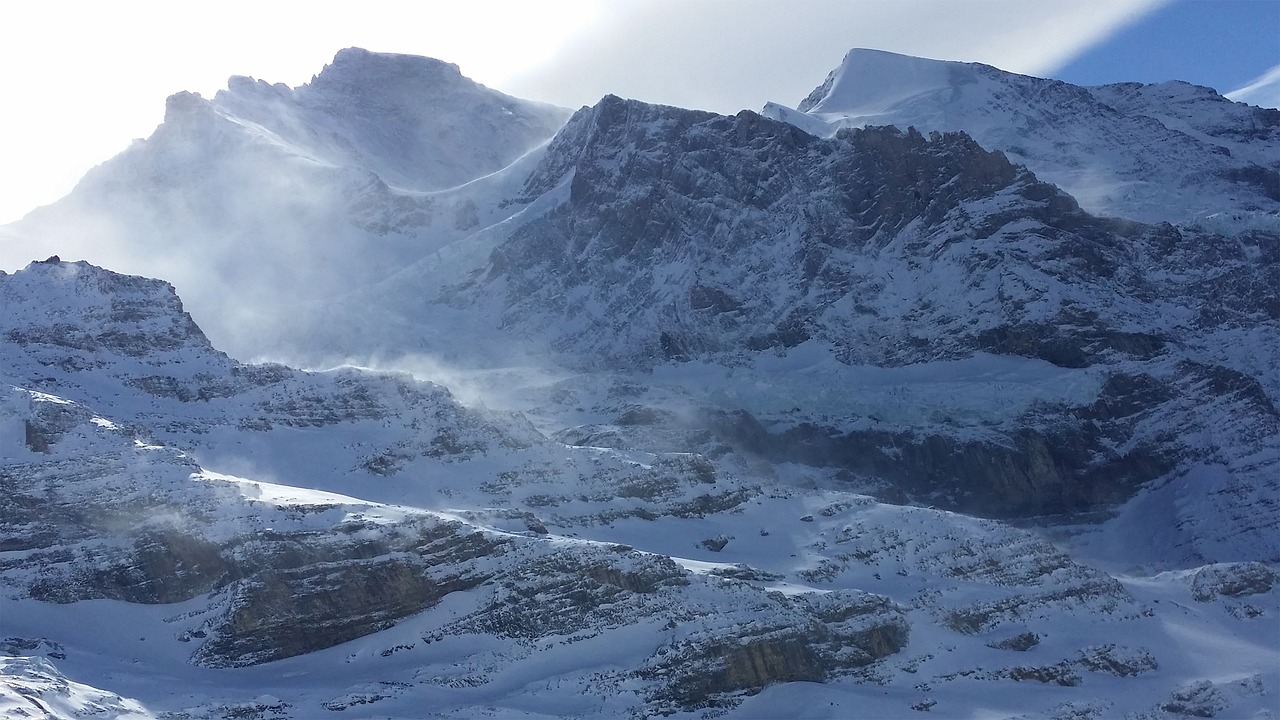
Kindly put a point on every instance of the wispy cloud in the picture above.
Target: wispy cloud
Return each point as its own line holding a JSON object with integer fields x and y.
{"x": 82, "y": 79}
{"x": 726, "y": 56}
{"x": 1263, "y": 90}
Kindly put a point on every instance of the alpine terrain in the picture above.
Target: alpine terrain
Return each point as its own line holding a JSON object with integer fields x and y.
{"x": 947, "y": 390}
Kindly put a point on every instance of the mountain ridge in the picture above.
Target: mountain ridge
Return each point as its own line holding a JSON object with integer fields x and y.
{"x": 1111, "y": 146}
{"x": 292, "y": 195}
{"x": 678, "y": 413}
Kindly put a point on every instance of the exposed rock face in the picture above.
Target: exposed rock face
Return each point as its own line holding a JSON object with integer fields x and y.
{"x": 280, "y": 613}
{"x": 17, "y": 647}
{"x": 714, "y": 193}
{"x": 717, "y": 238}
{"x": 1118, "y": 661}
{"x": 109, "y": 518}
{"x": 685, "y": 236}
{"x": 566, "y": 593}
{"x": 163, "y": 566}
{"x": 1070, "y": 459}
{"x": 1033, "y": 472}
{"x": 1110, "y": 659}
{"x": 1233, "y": 580}
{"x": 850, "y": 630}
{"x": 98, "y": 313}
{"x": 96, "y": 353}
{"x": 777, "y": 328}
{"x": 1021, "y": 642}
{"x": 974, "y": 565}
{"x": 749, "y": 234}
{"x": 1202, "y": 699}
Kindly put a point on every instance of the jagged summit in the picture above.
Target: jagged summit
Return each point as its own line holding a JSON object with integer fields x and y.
{"x": 355, "y": 66}
{"x": 1168, "y": 152}
{"x": 611, "y": 115}
{"x": 722, "y": 194}
{"x": 416, "y": 122}
{"x": 183, "y": 104}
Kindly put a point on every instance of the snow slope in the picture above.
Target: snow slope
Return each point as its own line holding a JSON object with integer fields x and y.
{"x": 526, "y": 578}
{"x": 695, "y": 415}
{"x": 1170, "y": 152}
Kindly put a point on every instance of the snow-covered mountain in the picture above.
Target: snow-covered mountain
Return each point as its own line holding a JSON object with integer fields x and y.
{"x": 679, "y": 413}
{"x": 527, "y": 577}
{"x": 688, "y": 236}
{"x": 1170, "y": 152}
{"x": 287, "y": 195}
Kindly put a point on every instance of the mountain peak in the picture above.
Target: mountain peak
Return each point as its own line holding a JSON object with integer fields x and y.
{"x": 358, "y": 59}
{"x": 354, "y": 69}
{"x": 1169, "y": 152}
{"x": 184, "y": 104}
{"x": 94, "y": 310}
{"x": 873, "y": 81}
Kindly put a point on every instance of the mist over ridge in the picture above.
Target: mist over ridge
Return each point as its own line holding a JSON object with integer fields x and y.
{"x": 391, "y": 394}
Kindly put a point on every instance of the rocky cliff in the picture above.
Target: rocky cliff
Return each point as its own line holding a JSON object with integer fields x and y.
{"x": 687, "y": 237}
{"x": 679, "y": 413}
{"x": 736, "y": 585}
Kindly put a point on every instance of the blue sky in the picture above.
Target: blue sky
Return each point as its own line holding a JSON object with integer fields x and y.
{"x": 1223, "y": 44}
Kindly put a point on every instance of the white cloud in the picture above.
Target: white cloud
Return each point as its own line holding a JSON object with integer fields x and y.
{"x": 728, "y": 55}
{"x": 1263, "y": 91}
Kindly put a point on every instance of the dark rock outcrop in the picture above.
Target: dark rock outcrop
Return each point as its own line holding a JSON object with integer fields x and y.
{"x": 846, "y": 631}
{"x": 282, "y": 613}
{"x": 1233, "y": 580}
